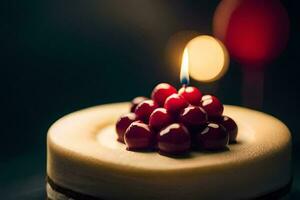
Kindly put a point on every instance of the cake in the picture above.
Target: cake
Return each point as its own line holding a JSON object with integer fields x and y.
{"x": 85, "y": 161}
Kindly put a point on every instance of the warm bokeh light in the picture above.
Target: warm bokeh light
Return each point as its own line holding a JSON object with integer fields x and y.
{"x": 184, "y": 71}
{"x": 207, "y": 58}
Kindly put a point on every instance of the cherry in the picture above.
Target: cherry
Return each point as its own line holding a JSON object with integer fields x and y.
{"x": 191, "y": 94}
{"x": 123, "y": 123}
{"x": 136, "y": 101}
{"x": 161, "y": 92}
{"x": 144, "y": 109}
{"x": 159, "y": 119}
{"x": 175, "y": 103}
{"x": 230, "y": 126}
{"x": 212, "y": 105}
{"x": 138, "y": 136}
{"x": 212, "y": 137}
{"x": 174, "y": 139}
{"x": 193, "y": 116}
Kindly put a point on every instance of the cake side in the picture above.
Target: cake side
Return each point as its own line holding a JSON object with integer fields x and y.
{"x": 84, "y": 156}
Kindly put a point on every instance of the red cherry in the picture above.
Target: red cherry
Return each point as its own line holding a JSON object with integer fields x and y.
{"x": 212, "y": 105}
{"x": 193, "y": 116}
{"x": 191, "y": 94}
{"x": 136, "y": 101}
{"x": 212, "y": 137}
{"x": 230, "y": 126}
{"x": 138, "y": 136}
{"x": 144, "y": 110}
{"x": 174, "y": 139}
{"x": 175, "y": 103}
{"x": 159, "y": 119}
{"x": 161, "y": 92}
{"x": 123, "y": 123}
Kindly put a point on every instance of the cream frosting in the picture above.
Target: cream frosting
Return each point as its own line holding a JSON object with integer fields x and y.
{"x": 84, "y": 156}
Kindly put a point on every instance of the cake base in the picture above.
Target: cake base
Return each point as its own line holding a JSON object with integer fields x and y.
{"x": 84, "y": 157}
{"x": 56, "y": 192}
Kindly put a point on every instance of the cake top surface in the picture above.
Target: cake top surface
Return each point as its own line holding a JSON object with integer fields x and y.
{"x": 89, "y": 136}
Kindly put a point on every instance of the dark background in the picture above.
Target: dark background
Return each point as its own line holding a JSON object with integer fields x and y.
{"x": 61, "y": 56}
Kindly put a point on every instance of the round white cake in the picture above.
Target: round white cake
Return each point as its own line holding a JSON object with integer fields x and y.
{"x": 84, "y": 158}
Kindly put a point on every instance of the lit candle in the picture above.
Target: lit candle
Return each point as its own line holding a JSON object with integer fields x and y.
{"x": 184, "y": 71}
{"x": 192, "y": 94}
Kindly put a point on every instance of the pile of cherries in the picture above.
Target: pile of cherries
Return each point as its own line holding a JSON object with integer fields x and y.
{"x": 175, "y": 122}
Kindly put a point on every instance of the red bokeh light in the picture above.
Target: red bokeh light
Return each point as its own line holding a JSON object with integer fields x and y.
{"x": 254, "y": 31}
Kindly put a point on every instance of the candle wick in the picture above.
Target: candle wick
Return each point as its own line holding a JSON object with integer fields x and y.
{"x": 184, "y": 81}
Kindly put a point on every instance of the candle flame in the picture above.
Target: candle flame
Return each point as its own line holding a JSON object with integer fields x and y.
{"x": 184, "y": 72}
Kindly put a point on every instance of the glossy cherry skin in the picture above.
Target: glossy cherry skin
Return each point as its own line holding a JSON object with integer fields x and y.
{"x": 159, "y": 119}
{"x": 173, "y": 140}
{"x": 161, "y": 92}
{"x": 191, "y": 94}
{"x": 136, "y": 101}
{"x": 175, "y": 103}
{"x": 138, "y": 136}
{"x": 212, "y": 105}
{"x": 212, "y": 137}
{"x": 230, "y": 126}
{"x": 144, "y": 110}
{"x": 123, "y": 123}
{"x": 193, "y": 116}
